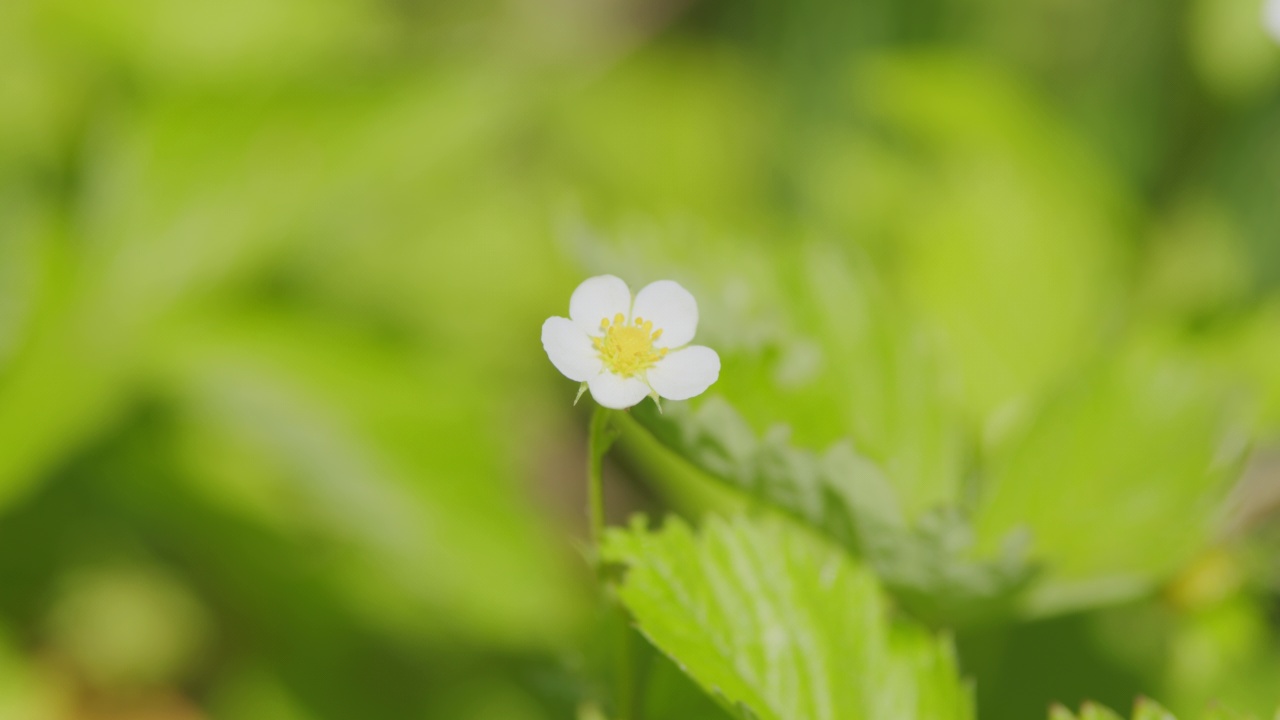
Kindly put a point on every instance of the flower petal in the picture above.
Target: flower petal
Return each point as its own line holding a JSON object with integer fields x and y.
{"x": 672, "y": 310}
{"x": 617, "y": 392}
{"x": 597, "y": 298}
{"x": 684, "y": 373}
{"x": 570, "y": 349}
{"x": 1271, "y": 19}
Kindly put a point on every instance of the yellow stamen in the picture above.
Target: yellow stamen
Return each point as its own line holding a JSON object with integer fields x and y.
{"x": 627, "y": 349}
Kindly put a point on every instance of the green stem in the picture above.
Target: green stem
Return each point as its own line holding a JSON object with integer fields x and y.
{"x": 599, "y": 440}
{"x": 626, "y": 700}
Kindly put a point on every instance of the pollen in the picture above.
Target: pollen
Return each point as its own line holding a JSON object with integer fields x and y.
{"x": 627, "y": 348}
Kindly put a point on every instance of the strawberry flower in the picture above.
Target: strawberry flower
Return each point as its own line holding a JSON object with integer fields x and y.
{"x": 624, "y": 349}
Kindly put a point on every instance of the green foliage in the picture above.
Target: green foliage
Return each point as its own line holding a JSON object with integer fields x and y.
{"x": 779, "y": 624}
{"x": 1144, "y": 709}
{"x": 978, "y": 355}
{"x": 995, "y": 286}
{"x": 1136, "y": 443}
{"x": 809, "y": 338}
{"x": 1015, "y": 266}
{"x": 847, "y": 498}
{"x": 248, "y": 397}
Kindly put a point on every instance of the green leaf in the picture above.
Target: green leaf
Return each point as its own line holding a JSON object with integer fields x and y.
{"x": 1150, "y": 710}
{"x": 1014, "y": 262}
{"x": 307, "y": 426}
{"x": 1144, "y": 709}
{"x": 847, "y": 498}
{"x": 1221, "y": 713}
{"x": 1117, "y": 478}
{"x": 1058, "y": 712}
{"x": 1094, "y": 711}
{"x": 1249, "y": 349}
{"x": 812, "y": 339}
{"x": 670, "y": 693}
{"x": 241, "y": 44}
{"x": 24, "y": 691}
{"x": 779, "y": 624}
{"x": 608, "y": 143}
{"x": 882, "y": 381}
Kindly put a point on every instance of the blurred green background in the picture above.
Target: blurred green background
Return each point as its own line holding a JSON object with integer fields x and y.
{"x": 278, "y": 440}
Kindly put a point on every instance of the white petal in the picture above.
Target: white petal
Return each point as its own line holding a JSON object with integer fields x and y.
{"x": 684, "y": 373}
{"x": 570, "y": 349}
{"x": 597, "y": 298}
{"x": 617, "y": 392}
{"x": 671, "y": 308}
{"x": 1271, "y": 18}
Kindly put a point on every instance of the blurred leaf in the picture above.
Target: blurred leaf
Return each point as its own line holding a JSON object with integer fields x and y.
{"x": 884, "y": 382}
{"x": 1144, "y": 709}
{"x": 1224, "y": 654}
{"x": 27, "y": 269}
{"x": 59, "y": 389}
{"x": 1149, "y": 710}
{"x": 237, "y": 42}
{"x": 1195, "y": 267}
{"x": 361, "y": 445}
{"x": 162, "y": 214}
{"x": 1230, "y": 48}
{"x": 780, "y": 625}
{"x": 186, "y": 200}
{"x": 671, "y": 130}
{"x": 129, "y": 628}
{"x": 1247, "y": 349}
{"x": 1011, "y": 249}
{"x": 38, "y": 93}
{"x": 1246, "y": 165}
{"x": 1117, "y": 478}
{"x": 25, "y": 692}
{"x": 1093, "y": 711}
{"x": 846, "y": 498}
{"x": 252, "y": 694}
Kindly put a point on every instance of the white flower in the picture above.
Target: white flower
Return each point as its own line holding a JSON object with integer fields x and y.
{"x": 624, "y": 350}
{"x": 1271, "y": 18}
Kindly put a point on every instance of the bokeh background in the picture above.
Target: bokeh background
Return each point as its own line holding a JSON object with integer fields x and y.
{"x": 278, "y": 440}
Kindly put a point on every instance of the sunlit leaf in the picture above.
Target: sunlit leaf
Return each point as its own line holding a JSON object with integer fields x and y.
{"x": 1144, "y": 709}
{"x": 778, "y": 624}
{"x": 846, "y": 497}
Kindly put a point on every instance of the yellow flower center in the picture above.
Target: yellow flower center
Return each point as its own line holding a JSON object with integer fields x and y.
{"x": 628, "y": 349}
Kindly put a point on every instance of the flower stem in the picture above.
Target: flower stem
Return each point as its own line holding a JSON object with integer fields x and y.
{"x": 601, "y": 437}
